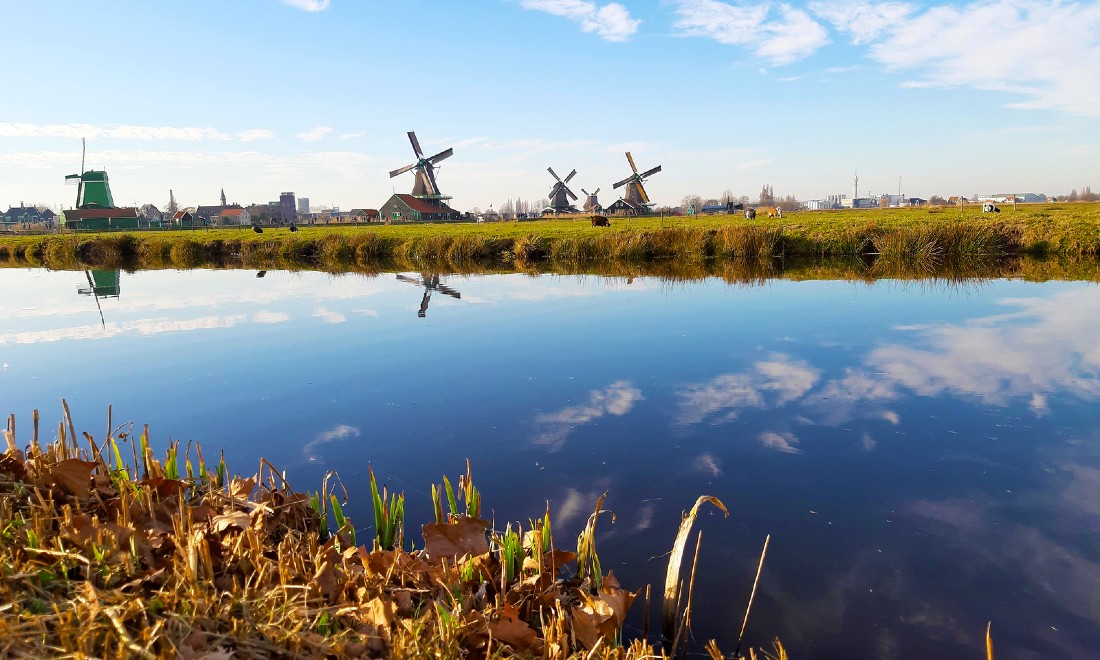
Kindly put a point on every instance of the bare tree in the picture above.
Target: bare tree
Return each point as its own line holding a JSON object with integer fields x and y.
{"x": 692, "y": 200}
{"x": 767, "y": 196}
{"x": 1088, "y": 196}
{"x": 1072, "y": 196}
{"x": 727, "y": 197}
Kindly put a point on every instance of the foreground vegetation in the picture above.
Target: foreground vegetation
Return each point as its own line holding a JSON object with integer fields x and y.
{"x": 894, "y": 236}
{"x": 103, "y": 557}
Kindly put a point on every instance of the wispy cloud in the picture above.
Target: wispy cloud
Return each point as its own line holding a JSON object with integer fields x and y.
{"x": 770, "y": 383}
{"x": 786, "y": 443}
{"x": 1044, "y": 58}
{"x": 338, "y": 432}
{"x": 125, "y": 132}
{"x": 779, "y": 34}
{"x": 309, "y": 5}
{"x": 618, "y": 398}
{"x": 329, "y": 316}
{"x": 314, "y": 134}
{"x": 351, "y": 136}
{"x": 611, "y": 21}
{"x": 254, "y": 134}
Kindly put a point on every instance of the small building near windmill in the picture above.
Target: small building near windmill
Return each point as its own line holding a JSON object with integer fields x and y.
{"x": 624, "y": 207}
{"x": 407, "y": 208}
{"x": 365, "y": 215}
{"x": 28, "y": 216}
{"x": 183, "y": 219}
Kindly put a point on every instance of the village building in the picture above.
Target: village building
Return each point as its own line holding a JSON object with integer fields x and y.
{"x": 625, "y": 207}
{"x": 407, "y": 208}
{"x": 234, "y": 216}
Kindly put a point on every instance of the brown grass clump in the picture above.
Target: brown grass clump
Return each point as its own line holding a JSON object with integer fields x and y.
{"x": 101, "y": 557}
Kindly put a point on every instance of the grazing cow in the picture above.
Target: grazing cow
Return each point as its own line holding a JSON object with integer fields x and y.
{"x": 257, "y": 229}
{"x": 774, "y": 212}
{"x": 600, "y": 221}
{"x": 990, "y": 207}
{"x": 750, "y": 214}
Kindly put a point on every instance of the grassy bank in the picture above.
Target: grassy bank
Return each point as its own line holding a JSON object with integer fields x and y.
{"x": 898, "y": 237}
{"x": 106, "y": 556}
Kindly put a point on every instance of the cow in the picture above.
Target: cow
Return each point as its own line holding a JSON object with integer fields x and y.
{"x": 750, "y": 214}
{"x": 773, "y": 212}
{"x": 600, "y": 221}
{"x": 990, "y": 207}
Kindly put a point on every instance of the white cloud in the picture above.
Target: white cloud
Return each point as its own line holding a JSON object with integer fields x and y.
{"x": 1045, "y": 53}
{"x": 770, "y": 383}
{"x": 309, "y": 5}
{"x": 329, "y": 316}
{"x": 786, "y": 443}
{"x": 707, "y": 463}
{"x": 108, "y": 330}
{"x": 864, "y": 20}
{"x": 270, "y": 317}
{"x": 338, "y": 432}
{"x": 254, "y": 134}
{"x": 351, "y": 136}
{"x": 126, "y": 132}
{"x": 611, "y": 21}
{"x": 314, "y": 134}
{"x": 779, "y": 36}
{"x": 618, "y": 399}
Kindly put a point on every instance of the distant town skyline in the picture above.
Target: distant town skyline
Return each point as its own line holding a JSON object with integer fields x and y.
{"x": 315, "y": 96}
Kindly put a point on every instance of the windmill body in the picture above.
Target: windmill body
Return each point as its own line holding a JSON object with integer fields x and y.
{"x": 560, "y": 194}
{"x": 636, "y": 198}
{"x": 427, "y": 202}
{"x": 592, "y": 201}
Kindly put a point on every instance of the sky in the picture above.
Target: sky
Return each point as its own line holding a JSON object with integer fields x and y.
{"x": 315, "y": 96}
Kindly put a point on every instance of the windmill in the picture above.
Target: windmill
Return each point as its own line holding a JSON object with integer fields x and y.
{"x": 591, "y": 203}
{"x": 430, "y": 283}
{"x": 425, "y": 185}
{"x": 560, "y": 194}
{"x": 636, "y": 196}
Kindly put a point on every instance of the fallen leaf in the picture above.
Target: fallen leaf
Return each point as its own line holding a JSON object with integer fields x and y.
{"x": 513, "y": 630}
{"x": 73, "y": 476}
{"x": 465, "y": 536}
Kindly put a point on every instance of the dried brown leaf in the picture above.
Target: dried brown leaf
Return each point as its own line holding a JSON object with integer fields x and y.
{"x": 513, "y": 630}
{"x": 73, "y": 476}
{"x": 464, "y": 536}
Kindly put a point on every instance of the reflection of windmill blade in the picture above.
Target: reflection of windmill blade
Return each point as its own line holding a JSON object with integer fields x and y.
{"x": 641, "y": 193}
{"x": 651, "y": 172}
{"x": 571, "y": 195}
{"x": 416, "y": 144}
{"x": 553, "y": 174}
{"x": 430, "y": 171}
{"x": 441, "y": 156}
{"x": 632, "y": 165}
{"x": 443, "y": 288}
{"x": 402, "y": 170}
{"x": 424, "y": 303}
{"x": 571, "y": 175}
{"x": 623, "y": 182}
{"x": 410, "y": 280}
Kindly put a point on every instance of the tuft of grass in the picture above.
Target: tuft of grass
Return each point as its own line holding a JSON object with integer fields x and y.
{"x": 389, "y": 515}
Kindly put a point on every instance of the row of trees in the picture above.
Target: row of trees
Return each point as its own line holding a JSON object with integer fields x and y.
{"x": 512, "y": 209}
{"x": 766, "y": 197}
{"x": 1086, "y": 195}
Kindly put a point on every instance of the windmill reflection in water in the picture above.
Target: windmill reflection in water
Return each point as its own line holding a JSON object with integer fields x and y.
{"x": 430, "y": 283}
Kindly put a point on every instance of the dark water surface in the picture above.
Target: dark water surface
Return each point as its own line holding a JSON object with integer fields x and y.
{"x": 925, "y": 457}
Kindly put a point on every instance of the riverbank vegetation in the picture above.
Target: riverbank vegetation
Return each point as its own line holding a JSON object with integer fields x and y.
{"x": 897, "y": 237}
{"x": 108, "y": 551}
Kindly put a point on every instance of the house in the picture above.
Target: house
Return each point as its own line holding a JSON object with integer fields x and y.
{"x": 22, "y": 215}
{"x": 234, "y": 216}
{"x": 407, "y": 208}
{"x": 365, "y": 215}
{"x": 183, "y": 219}
{"x": 209, "y": 214}
{"x": 917, "y": 201}
{"x": 623, "y": 207}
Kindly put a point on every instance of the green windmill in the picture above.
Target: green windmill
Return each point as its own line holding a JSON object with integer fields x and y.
{"x": 92, "y": 189}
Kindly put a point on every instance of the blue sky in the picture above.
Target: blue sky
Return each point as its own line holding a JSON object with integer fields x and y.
{"x": 315, "y": 96}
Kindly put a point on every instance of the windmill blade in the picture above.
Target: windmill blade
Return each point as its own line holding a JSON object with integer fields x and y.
{"x": 553, "y": 173}
{"x": 597, "y": 192}
{"x": 571, "y": 195}
{"x": 430, "y": 171}
{"x": 587, "y": 194}
{"x": 554, "y": 190}
{"x": 632, "y": 165}
{"x": 402, "y": 170}
{"x": 651, "y": 172}
{"x": 441, "y": 156}
{"x": 416, "y": 144}
{"x": 641, "y": 193}
{"x": 623, "y": 182}
{"x": 571, "y": 175}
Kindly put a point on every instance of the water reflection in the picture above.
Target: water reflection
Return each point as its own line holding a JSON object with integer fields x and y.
{"x": 926, "y": 458}
{"x": 430, "y": 283}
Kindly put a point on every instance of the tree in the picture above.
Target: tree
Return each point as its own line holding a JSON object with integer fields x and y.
{"x": 507, "y": 209}
{"x": 692, "y": 200}
{"x": 1088, "y": 196}
{"x": 1072, "y": 196}
{"x": 727, "y": 197}
{"x": 789, "y": 203}
{"x": 936, "y": 199}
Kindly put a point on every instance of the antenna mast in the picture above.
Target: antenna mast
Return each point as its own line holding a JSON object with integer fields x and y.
{"x": 857, "y": 187}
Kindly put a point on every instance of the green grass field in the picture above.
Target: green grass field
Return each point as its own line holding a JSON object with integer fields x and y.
{"x": 904, "y": 238}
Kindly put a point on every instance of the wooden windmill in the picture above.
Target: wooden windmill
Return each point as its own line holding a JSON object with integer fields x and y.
{"x": 425, "y": 186}
{"x": 591, "y": 202}
{"x": 636, "y": 196}
{"x": 560, "y": 194}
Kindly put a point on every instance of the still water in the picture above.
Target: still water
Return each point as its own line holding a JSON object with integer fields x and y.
{"x": 926, "y": 457}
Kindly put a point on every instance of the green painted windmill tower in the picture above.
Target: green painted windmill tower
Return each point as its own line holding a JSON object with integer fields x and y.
{"x": 95, "y": 206}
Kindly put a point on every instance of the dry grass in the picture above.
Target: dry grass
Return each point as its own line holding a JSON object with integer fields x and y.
{"x": 101, "y": 556}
